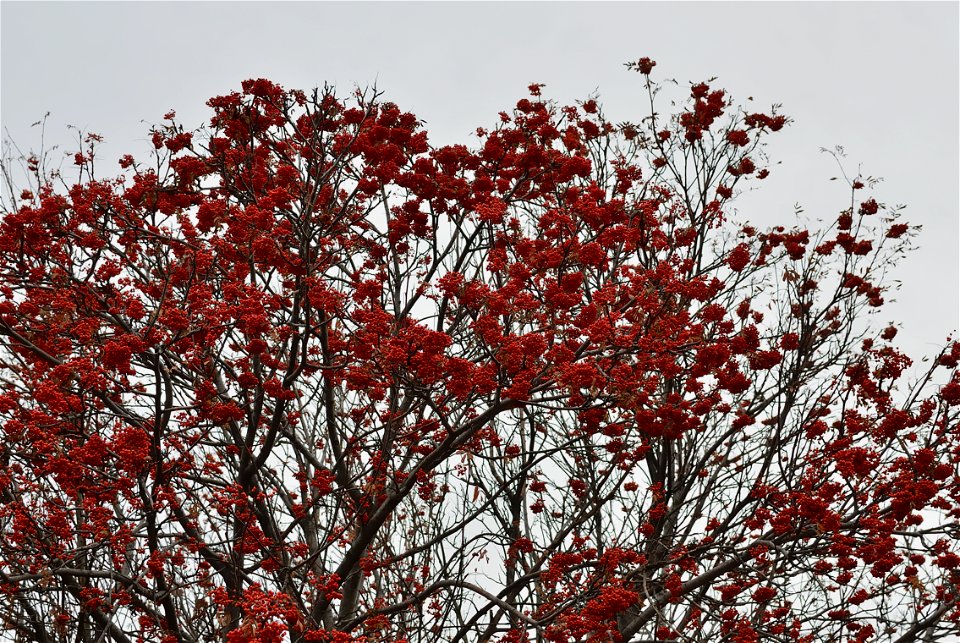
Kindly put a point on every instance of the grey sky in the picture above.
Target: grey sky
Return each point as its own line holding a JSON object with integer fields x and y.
{"x": 880, "y": 79}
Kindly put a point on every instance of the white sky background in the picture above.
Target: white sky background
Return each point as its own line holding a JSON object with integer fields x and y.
{"x": 880, "y": 79}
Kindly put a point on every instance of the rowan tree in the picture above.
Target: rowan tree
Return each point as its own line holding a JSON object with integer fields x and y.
{"x": 303, "y": 376}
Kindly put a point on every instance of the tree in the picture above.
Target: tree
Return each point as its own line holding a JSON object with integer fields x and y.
{"x": 302, "y": 376}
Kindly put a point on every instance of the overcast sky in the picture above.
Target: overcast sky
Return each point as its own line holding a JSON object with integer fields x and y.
{"x": 880, "y": 79}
